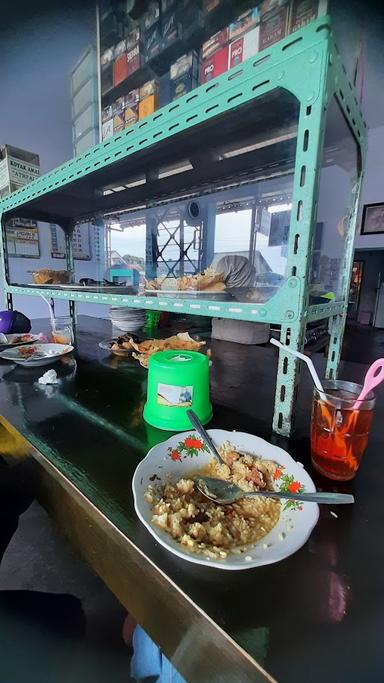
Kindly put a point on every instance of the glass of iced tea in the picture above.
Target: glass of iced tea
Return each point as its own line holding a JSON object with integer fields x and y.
{"x": 62, "y": 332}
{"x": 339, "y": 434}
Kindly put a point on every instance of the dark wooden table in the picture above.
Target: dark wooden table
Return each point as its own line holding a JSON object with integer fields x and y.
{"x": 317, "y": 616}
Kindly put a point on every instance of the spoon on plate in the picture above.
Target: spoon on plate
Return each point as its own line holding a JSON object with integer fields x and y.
{"x": 225, "y": 493}
{"x": 204, "y": 435}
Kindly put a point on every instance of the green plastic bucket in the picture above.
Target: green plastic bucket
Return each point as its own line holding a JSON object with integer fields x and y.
{"x": 177, "y": 381}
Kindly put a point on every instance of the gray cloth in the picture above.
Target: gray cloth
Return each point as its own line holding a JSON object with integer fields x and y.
{"x": 239, "y": 276}
{"x": 238, "y": 271}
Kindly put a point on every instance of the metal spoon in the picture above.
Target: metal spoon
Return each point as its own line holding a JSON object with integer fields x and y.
{"x": 224, "y": 493}
{"x": 204, "y": 435}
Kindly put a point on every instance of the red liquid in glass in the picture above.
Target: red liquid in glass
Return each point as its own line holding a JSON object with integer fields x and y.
{"x": 339, "y": 437}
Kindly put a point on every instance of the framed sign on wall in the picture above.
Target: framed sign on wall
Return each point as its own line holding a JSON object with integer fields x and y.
{"x": 373, "y": 219}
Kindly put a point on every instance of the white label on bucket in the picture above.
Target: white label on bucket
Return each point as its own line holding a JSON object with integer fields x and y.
{"x": 174, "y": 396}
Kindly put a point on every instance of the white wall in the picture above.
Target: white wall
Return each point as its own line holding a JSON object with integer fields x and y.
{"x": 373, "y": 186}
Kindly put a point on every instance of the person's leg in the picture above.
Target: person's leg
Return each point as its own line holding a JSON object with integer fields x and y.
{"x": 148, "y": 664}
{"x": 16, "y": 495}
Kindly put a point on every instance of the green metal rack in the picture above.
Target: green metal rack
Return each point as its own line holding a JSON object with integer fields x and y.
{"x": 305, "y": 68}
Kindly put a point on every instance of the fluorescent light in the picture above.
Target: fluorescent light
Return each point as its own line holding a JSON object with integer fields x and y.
{"x": 278, "y": 208}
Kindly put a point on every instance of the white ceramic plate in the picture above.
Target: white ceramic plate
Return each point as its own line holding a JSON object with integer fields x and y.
{"x": 172, "y": 460}
{"x": 52, "y": 352}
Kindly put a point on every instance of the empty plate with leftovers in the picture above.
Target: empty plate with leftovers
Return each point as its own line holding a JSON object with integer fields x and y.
{"x": 245, "y": 534}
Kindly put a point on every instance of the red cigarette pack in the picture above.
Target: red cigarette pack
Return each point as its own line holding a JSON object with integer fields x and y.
{"x": 215, "y": 65}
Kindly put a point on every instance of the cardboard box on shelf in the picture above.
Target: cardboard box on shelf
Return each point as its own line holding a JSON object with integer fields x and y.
{"x": 304, "y": 11}
{"x": 106, "y": 78}
{"x": 245, "y": 22}
{"x": 215, "y": 65}
{"x": 118, "y": 123}
{"x": 186, "y": 63}
{"x": 107, "y": 129}
{"x": 131, "y": 115}
{"x": 147, "y": 106}
{"x": 273, "y": 28}
{"x": 244, "y": 47}
{"x": 182, "y": 85}
{"x": 118, "y": 105}
{"x": 171, "y": 29}
{"x": 106, "y": 113}
{"x": 149, "y": 88}
{"x": 120, "y": 69}
{"x": 120, "y": 48}
{"x": 133, "y": 59}
{"x": 151, "y": 15}
{"x": 214, "y": 43}
{"x": 132, "y": 98}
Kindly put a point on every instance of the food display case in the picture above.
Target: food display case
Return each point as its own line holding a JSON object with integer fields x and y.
{"x": 237, "y": 200}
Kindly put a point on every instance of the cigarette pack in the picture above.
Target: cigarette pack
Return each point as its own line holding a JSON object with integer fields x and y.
{"x": 273, "y": 28}
{"x": 167, "y": 5}
{"x": 210, "y": 5}
{"x": 133, "y": 59}
{"x": 132, "y": 98}
{"x": 120, "y": 69}
{"x": 171, "y": 29}
{"x": 186, "y": 63}
{"x": 120, "y": 48}
{"x": 304, "y": 11}
{"x": 245, "y": 22}
{"x": 118, "y": 105}
{"x": 106, "y": 113}
{"x": 215, "y": 65}
{"x": 131, "y": 115}
{"x": 147, "y": 106}
{"x": 133, "y": 37}
{"x": 149, "y": 88}
{"x": 182, "y": 85}
{"x": 118, "y": 123}
{"x": 152, "y": 40}
{"x": 244, "y": 47}
{"x": 214, "y": 43}
{"x": 107, "y": 129}
{"x": 151, "y": 15}
{"x": 269, "y": 7}
{"x": 106, "y": 78}
{"x": 107, "y": 57}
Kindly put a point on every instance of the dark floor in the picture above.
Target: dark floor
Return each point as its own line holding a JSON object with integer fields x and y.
{"x": 39, "y": 558}
{"x": 362, "y": 343}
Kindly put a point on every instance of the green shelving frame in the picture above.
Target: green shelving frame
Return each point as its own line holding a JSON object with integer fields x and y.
{"x": 307, "y": 65}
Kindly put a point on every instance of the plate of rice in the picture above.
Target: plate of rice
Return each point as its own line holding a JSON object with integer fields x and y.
{"x": 249, "y": 533}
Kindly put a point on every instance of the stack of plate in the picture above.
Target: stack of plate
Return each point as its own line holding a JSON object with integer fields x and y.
{"x": 127, "y": 319}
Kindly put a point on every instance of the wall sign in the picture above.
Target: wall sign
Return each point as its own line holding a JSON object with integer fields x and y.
{"x": 23, "y": 240}
{"x": 373, "y": 219}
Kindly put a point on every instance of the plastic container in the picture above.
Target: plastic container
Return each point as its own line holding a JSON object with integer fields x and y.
{"x": 177, "y": 381}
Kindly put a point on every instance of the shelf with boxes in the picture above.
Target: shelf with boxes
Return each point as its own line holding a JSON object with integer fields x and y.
{"x": 177, "y": 46}
{"x": 240, "y": 169}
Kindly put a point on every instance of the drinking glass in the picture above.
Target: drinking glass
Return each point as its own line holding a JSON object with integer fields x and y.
{"x": 339, "y": 434}
{"x": 62, "y": 332}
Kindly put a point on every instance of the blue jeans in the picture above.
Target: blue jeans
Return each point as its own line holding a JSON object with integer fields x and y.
{"x": 148, "y": 662}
